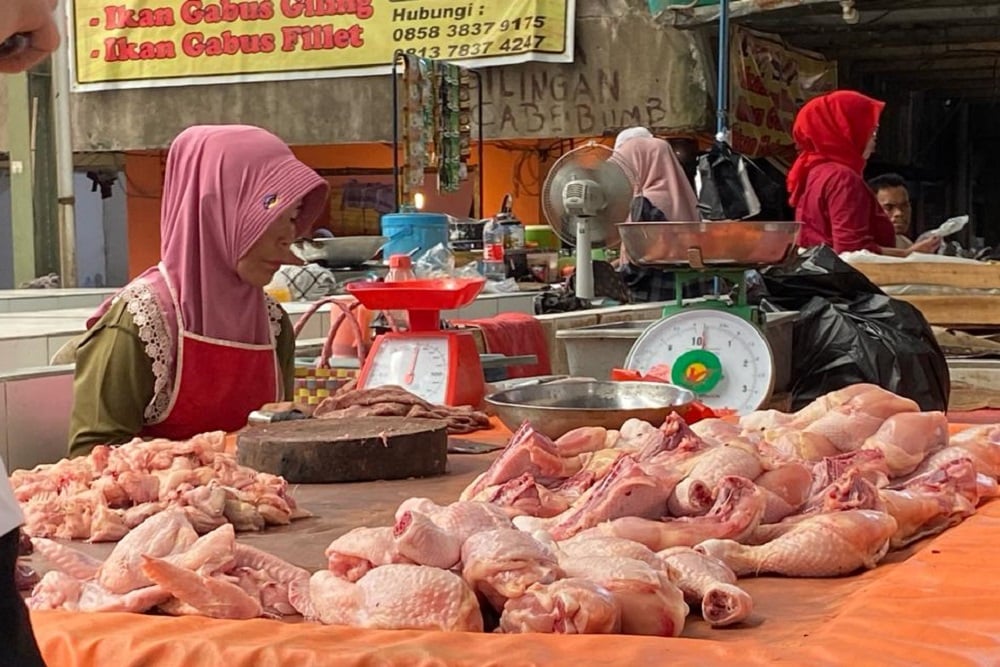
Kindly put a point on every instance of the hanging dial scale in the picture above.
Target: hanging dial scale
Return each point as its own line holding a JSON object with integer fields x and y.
{"x": 714, "y": 346}
{"x": 720, "y": 356}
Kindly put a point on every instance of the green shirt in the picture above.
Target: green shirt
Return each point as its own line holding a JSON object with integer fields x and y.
{"x": 113, "y": 381}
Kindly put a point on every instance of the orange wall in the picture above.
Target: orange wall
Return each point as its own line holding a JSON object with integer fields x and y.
{"x": 143, "y": 188}
{"x": 514, "y": 167}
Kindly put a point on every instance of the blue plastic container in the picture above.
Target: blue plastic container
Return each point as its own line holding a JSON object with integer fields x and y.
{"x": 413, "y": 231}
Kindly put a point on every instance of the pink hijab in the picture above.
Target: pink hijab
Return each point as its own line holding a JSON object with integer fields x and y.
{"x": 224, "y": 186}
{"x": 657, "y": 175}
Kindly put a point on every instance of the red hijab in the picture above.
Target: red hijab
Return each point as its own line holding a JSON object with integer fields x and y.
{"x": 835, "y": 127}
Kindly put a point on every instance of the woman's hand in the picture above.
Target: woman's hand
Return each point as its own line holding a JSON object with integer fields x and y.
{"x": 928, "y": 245}
{"x": 31, "y": 25}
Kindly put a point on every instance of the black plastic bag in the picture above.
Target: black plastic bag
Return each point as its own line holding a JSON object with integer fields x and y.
{"x": 849, "y": 331}
{"x": 724, "y": 188}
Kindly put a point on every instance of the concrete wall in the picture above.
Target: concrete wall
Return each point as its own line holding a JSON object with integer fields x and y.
{"x": 627, "y": 70}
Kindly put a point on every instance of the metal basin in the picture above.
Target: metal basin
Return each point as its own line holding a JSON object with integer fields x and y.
{"x": 343, "y": 251}
{"x": 556, "y": 408}
{"x": 709, "y": 244}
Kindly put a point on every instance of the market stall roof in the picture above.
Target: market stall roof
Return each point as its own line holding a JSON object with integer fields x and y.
{"x": 943, "y": 47}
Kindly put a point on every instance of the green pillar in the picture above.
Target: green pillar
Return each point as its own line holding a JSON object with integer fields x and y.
{"x": 22, "y": 207}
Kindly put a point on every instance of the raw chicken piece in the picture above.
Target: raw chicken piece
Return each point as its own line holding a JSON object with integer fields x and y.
{"x": 708, "y": 582}
{"x": 67, "y": 559}
{"x": 765, "y": 420}
{"x": 717, "y": 432}
{"x": 166, "y": 533}
{"x": 107, "y": 525}
{"x": 595, "y": 467}
{"x": 527, "y": 451}
{"x": 828, "y": 402}
{"x": 94, "y": 598}
{"x": 502, "y": 564}
{"x": 979, "y": 443}
{"x": 211, "y": 596}
{"x": 674, "y": 435}
{"x": 210, "y": 553}
{"x": 738, "y": 507}
{"x": 906, "y": 439}
{"x": 650, "y": 604}
{"x": 785, "y": 488}
{"x": 707, "y": 470}
{"x": 581, "y": 440}
{"x": 825, "y": 545}
{"x": 567, "y": 606}
{"x": 59, "y": 590}
{"x": 636, "y": 435}
{"x": 273, "y": 595}
{"x": 276, "y": 568}
{"x": 56, "y": 590}
{"x": 932, "y": 503}
{"x": 435, "y": 536}
{"x": 860, "y": 416}
{"x": 356, "y": 552}
{"x": 794, "y": 443}
{"x": 593, "y": 543}
{"x": 628, "y": 490}
{"x": 397, "y": 597}
{"x": 851, "y": 491}
{"x": 870, "y": 463}
{"x": 524, "y": 496}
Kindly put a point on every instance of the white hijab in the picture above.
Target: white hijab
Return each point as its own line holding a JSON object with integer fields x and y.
{"x": 631, "y": 133}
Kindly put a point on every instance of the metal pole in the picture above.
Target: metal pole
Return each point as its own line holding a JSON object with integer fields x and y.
{"x": 64, "y": 152}
{"x": 395, "y": 129}
{"x": 722, "y": 95}
{"x": 22, "y": 179}
{"x": 479, "y": 122}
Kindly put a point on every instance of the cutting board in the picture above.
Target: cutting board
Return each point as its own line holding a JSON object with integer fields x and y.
{"x": 324, "y": 451}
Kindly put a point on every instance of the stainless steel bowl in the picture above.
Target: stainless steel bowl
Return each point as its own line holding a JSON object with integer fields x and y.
{"x": 556, "y": 408}
{"x": 709, "y": 244}
{"x": 343, "y": 251}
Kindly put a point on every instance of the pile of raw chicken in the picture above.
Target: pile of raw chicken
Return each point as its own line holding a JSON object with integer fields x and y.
{"x": 598, "y": 532}
{"x": 102, "y": 496}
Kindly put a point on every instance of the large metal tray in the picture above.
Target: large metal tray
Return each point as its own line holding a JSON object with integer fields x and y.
{"x": 342, "y": 251}
{"x": 700, "y": 245}
{"x": 556, "y": 408}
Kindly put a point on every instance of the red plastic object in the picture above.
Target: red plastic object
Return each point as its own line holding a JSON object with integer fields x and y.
{"x": 625, "y": 375}
{"x": 697, "y": 411}
{"x": 422, "y": 299}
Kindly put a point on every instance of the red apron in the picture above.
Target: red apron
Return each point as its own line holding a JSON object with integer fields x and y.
{"x": 217, "y": 384}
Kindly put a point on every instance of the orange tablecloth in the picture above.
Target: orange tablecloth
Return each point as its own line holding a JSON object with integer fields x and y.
{"x": 935, "y": 605}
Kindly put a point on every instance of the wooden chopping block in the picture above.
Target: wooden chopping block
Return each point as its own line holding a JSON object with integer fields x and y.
{"x": 324, "y": 451}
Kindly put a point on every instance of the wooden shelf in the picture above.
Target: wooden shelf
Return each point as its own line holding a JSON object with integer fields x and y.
{"x": 968, "y": 310}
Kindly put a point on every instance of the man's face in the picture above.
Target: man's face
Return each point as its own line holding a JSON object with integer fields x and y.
{"x": 895, "y": 202}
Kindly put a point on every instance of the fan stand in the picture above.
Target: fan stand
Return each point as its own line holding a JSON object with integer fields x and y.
{"x": 584, "y": 260}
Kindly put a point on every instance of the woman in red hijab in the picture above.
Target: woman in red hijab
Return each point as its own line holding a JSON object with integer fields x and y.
{"x": 835, "y": 134}
{"x": 194, "y": 344}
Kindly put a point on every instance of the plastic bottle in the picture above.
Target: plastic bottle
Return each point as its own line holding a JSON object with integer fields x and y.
{"x": 400, "y": 269}
{"x": 494, "y": 264}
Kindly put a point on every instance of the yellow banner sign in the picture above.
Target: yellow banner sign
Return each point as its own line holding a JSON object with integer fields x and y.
{"x": 147, "y": 43}
{"x": 770, "y": 82}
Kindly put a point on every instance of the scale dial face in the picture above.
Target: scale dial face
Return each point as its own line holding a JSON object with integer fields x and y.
{"x": 418, "y": 365}
{"x": 719, "y": 356}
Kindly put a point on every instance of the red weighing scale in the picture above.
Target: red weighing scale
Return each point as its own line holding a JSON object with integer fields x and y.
{"x": 440, "y": 366}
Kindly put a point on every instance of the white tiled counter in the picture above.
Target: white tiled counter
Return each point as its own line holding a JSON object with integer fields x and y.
{"x": 35, "y": 406}
{"x": 29, "y": 300}
{"x": 28, "y": 339}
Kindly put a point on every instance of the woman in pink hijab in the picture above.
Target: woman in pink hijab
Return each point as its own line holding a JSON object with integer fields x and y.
{"x": 194, "y": 344}
{"x": 662, "y": 193}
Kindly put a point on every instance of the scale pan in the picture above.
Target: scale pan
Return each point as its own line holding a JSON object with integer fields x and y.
{"x": 437, "y": 294}
{"x": 738, "y": 244}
